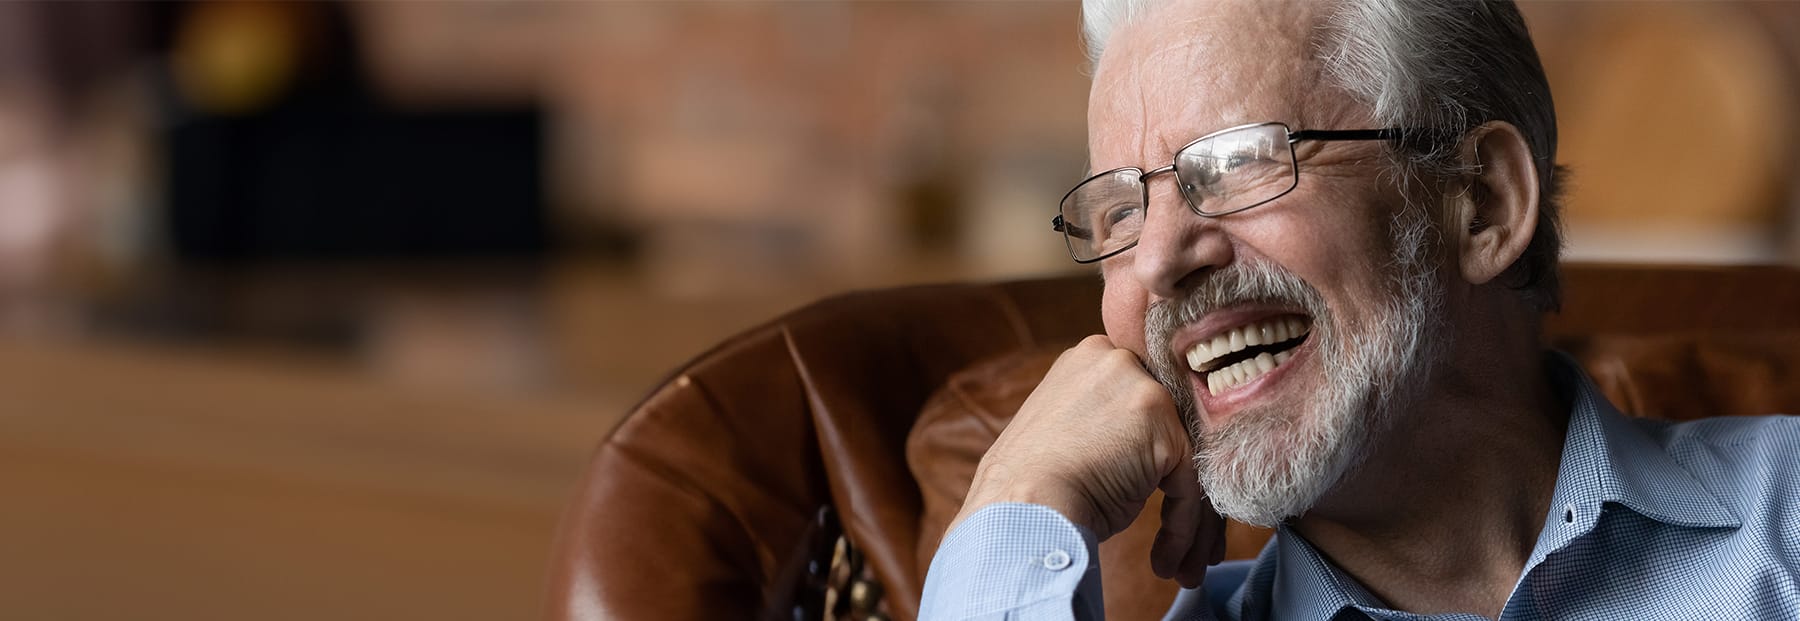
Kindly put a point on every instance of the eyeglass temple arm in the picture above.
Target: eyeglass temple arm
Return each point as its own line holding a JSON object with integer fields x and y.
{"x": 1064, "y": 226}
{"x": 1392, "y": 133}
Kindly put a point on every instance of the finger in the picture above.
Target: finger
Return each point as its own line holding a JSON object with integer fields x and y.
{"x": 1190, "y": 520}
{"x": 1182, "y": 546}
{"x": 1173, "y": 538}
{"x": 1093, "y": 344}
{"x": 1221, "y": 540}
{"x": 1208, "y": 550}
{"x": 1193, "y": 566}
{"x": 1182, "y": 481}
{"x": 1183, "y": 509}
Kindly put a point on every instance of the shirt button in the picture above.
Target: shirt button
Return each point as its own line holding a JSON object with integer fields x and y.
{"x": 1056, "y": 560}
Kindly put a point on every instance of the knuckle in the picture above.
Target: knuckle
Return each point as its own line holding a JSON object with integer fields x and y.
{"x": 1150, "y": 395}
{"x": 1122, "y": 359}
{"x": 1087, "y": 347}
{"x": 1091, "y": 344}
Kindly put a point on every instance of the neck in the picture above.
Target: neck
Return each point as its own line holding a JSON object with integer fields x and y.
{"x": 1445, "y": 511}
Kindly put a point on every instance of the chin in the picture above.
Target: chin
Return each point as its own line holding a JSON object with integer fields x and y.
{"x": 1263, "y": 470}
{"x": 1274, "y": 458}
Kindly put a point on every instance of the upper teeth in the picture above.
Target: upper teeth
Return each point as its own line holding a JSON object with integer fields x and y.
{"x": 1264, "y": 332}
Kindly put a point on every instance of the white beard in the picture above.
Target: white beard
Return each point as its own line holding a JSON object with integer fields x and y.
{"x": 1264, "y": 466}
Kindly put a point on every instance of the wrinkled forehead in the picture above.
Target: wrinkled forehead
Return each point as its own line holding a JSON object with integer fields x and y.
{"x": 1183, "y": 69}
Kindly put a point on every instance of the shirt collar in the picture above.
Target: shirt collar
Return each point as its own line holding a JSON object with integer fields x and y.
{"x": 1606, "y": 458}
{"x": 1307, "y": 586}
{"x": 1611, "y": 458}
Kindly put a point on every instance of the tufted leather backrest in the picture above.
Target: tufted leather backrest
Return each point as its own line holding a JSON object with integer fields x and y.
{"x": 705, "y": 501}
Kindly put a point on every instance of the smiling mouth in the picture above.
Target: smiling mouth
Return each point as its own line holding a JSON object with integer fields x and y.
{"x": 1234, "y": 357}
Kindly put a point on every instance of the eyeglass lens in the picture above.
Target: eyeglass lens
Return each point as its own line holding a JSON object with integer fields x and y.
{"x": 1220, "y": 174}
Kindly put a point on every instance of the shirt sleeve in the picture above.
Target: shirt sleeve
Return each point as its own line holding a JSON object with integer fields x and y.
{"x": 1014, "y": 561}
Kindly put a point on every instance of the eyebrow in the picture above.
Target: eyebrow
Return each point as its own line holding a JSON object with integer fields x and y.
{"x": 1173, "y": 147}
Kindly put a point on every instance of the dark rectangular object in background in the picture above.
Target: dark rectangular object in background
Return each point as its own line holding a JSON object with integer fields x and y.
{"x": 337, "y": 180}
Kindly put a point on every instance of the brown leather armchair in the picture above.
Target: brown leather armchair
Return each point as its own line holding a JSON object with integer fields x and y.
{"x": 770, "y": 477}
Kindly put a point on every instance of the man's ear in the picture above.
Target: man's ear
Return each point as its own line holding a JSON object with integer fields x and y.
{"x": 1493, "y": 216}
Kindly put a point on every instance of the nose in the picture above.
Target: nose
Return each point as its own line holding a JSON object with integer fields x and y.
{"x": 1176, "y": 246}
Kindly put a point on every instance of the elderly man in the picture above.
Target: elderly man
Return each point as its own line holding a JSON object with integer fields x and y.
{"x": 1328, "y": 234}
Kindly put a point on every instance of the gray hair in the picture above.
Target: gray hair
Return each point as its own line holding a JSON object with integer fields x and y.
{"x": 1443, "y": 65}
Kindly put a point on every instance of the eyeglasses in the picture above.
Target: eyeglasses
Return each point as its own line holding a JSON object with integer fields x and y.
{"x": 1221, "y": 173}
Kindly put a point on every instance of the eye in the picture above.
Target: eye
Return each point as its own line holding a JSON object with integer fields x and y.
{"x": 1121, "y": 213}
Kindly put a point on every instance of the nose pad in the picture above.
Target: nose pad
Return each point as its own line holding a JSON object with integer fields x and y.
{"x": 1176, "y": 245}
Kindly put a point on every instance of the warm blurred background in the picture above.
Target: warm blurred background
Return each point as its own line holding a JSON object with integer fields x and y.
{"x": 313, "y": 310}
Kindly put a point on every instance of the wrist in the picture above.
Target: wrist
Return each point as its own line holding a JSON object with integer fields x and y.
{"x": 997, "y": 485}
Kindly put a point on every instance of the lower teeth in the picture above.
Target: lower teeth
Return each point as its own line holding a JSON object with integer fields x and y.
{"x": 1220, "y": 380}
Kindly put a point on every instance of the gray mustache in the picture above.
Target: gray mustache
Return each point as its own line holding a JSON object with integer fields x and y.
{"x": 1237, "y": 284}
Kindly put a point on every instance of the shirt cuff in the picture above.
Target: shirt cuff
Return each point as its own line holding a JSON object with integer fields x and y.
{"x": 1014, "y": 558}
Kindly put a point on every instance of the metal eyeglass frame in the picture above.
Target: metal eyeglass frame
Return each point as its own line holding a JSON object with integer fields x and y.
{"x": 1293, "y": 137}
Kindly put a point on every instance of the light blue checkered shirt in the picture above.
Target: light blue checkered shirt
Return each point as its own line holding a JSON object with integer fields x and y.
{"x": 1649, "y": 520}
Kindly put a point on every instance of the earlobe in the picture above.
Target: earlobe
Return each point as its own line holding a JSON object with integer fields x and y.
{"x": 1496, "y": 212}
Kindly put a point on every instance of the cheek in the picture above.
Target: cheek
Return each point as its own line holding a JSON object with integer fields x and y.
{"x": 1335, "y": 240}
{"x": 1122, "y": 310}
